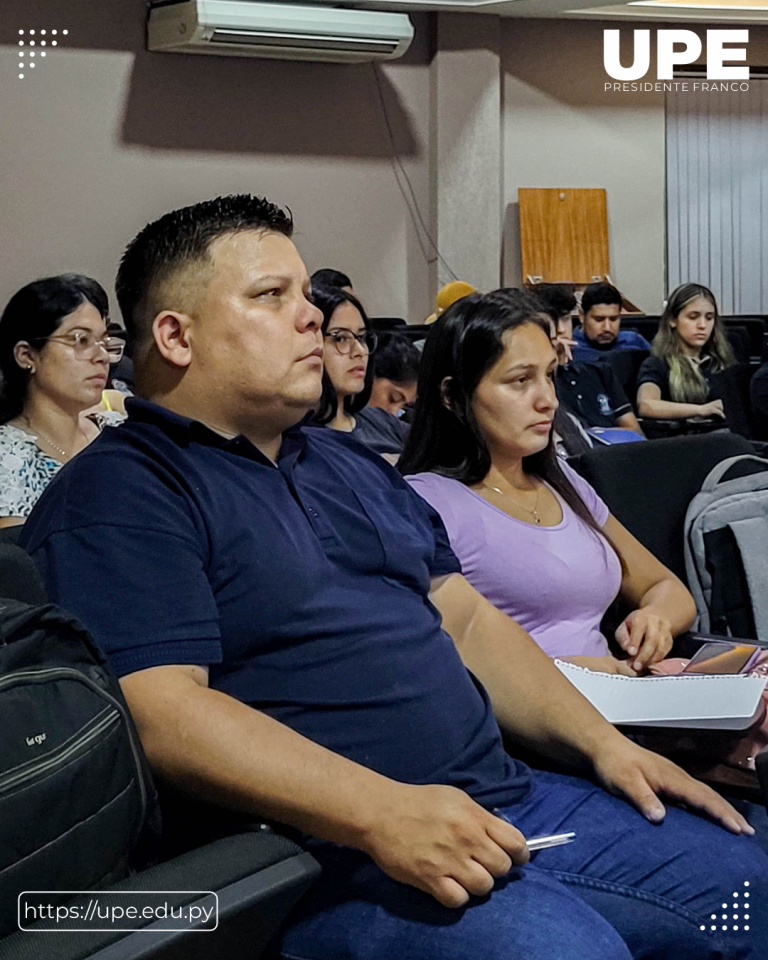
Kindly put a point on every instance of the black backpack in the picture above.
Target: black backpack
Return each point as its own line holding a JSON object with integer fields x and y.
{"x": 78, "y": 808}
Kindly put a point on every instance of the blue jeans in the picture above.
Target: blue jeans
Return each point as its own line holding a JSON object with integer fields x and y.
{"x": 625, "y": 888}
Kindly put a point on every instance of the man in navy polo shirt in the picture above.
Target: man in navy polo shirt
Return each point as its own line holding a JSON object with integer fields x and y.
{"x": 294, "y": 639}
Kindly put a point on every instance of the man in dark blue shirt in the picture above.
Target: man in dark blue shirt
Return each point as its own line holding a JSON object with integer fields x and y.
{"x": 289, "y": 625}
{"x": 600, "y": 330}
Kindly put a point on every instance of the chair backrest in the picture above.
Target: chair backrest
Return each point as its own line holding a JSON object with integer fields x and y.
{"x": 645, "y": 326}
{"x": 19, "y": 578}
{"x": 739, "y": 338}
{"x": 648, "y": 486}
{"x": 733, "y": 386}
{"x": 626, "y": 366}
{"x": 756, "y": 328}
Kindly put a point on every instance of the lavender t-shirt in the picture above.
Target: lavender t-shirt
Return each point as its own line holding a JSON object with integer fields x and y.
{"x": 556, "y": 582}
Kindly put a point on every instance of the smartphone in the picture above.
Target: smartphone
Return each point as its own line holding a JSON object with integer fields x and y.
{"x": 720, "y": 656}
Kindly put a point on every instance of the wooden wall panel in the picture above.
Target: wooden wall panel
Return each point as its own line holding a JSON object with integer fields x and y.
{"x": 564, "y": 234}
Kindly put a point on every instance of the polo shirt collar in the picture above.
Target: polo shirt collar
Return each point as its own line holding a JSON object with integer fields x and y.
{"x": 185, "y": 430}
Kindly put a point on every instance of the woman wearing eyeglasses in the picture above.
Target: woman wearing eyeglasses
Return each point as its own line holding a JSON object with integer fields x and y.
{"x": 348, "y": 375}
{"x": 54, "y": 358}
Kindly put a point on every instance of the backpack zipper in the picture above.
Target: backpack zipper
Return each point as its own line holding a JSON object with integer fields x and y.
{"x": 48, "y": 673}
{"x": 60, "y": 756}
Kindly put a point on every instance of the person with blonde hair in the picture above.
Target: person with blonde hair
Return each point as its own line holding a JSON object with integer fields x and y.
{"x": 691, "y": 346}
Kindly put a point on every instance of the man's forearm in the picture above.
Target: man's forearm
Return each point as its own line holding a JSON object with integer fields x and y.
{"x": 533, "y": 702}
{"x": 218, "y": 749}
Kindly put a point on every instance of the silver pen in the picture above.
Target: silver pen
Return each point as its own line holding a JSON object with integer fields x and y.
{"x": 541, "y": 843}
{"x": 555, "y": 840}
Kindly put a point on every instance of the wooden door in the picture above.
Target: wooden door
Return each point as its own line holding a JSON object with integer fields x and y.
{"x": 564, "y": 235}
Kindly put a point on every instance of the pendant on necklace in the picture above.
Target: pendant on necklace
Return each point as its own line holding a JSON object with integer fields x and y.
{"x": 536, "y": 517}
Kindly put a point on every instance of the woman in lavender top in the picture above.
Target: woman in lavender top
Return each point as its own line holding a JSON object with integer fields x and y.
{"x": 531, "y": 535}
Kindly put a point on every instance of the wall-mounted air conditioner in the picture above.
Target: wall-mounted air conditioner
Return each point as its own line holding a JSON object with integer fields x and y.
{"x": 282, "y": 31}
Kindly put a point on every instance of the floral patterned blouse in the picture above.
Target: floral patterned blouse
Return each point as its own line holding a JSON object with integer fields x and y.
{"x": 25, "y": 471}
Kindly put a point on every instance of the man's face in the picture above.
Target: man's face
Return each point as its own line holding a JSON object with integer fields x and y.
{"x": 602, "y": 323}
{"x": 255, "y": 337}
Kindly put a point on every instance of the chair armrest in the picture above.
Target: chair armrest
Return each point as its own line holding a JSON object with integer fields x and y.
{"x": 257, "y": 876}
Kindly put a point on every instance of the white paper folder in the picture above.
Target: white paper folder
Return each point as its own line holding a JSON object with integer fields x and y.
{"x": 731, "y": 702}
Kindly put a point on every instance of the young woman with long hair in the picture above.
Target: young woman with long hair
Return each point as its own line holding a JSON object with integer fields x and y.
{"x": 54, "y": 358}
{"x": 689, "y": 349}
{"x": 530, "y": 533}
{"x": 348, "y": 343}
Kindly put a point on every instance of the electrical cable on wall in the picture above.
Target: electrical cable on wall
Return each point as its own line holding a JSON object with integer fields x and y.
{"x": 411, "y": 203}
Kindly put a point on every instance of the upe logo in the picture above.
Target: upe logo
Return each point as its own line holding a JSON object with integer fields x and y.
{"x": 674, "y": 48}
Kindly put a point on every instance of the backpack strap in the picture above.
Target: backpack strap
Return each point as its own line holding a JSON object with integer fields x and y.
{"x": 716, "y": 474}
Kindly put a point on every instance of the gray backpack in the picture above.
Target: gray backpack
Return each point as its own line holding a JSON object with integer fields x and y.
{"x": 726, "y": 549}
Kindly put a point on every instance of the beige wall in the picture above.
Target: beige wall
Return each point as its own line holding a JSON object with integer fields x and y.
{"x": 562, "y": 130}
{"x": 102, "y": 136}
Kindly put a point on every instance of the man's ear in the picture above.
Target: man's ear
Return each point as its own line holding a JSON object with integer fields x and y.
{"x": 170, "y": 331}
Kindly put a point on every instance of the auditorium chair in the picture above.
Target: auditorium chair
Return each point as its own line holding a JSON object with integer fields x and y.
{"x": 757, "y": 332}
{"x": 257, "y": 874}
{"x": 648, "y": 487}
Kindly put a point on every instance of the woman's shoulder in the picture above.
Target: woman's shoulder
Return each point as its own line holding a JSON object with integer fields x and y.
{"x": 446, "y": 486}
{"x": 589, "y": 496}
{"x": 652, "y": 369}
{"x": 14, "y": 440}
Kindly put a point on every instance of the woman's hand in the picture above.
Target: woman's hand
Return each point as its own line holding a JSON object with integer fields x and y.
{"x": 713, "y": 409}
{"x": 646, "y": 637}
{"x": 603, "y": 665}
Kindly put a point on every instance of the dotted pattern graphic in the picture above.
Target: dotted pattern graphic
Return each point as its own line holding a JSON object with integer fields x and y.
{"x": 740, "y": 913}
{"x": 32, "y": 43}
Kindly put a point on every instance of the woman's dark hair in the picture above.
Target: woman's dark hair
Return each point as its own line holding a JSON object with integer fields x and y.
{"x": 396, "y": 359}
{"x": 327, "y": 277}
{"x": 328, "y": 299}
{"x": 461, "y": 347}
{"x": 33, "y": 314}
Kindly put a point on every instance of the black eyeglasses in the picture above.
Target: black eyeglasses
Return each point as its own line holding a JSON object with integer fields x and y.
{"x": 343, "y": 340}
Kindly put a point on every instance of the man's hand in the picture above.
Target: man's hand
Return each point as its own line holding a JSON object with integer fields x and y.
{"x": 603, "y": 665}
{"x": 641, "y": 777}
{"x": 439, "y": 840}
{"x": 646, "y": 637}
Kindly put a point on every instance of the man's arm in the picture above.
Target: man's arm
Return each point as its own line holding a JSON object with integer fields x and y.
{"x": 540, "y": 708}
{"x": 628, "y": 421}
{"x": 215, "y": 747}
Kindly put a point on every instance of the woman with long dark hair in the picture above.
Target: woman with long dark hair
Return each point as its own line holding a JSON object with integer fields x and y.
{"x": 348, "y": 343}
{"x": 54, "y": 359}
{"x": 689, "y": 348}
{"x": 530, "y": 533}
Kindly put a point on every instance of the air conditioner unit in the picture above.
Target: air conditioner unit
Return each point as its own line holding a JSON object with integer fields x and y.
{"x": 240, "y": 28}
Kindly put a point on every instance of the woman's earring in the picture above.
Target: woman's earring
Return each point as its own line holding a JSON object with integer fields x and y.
{"x": 29, "y": 368}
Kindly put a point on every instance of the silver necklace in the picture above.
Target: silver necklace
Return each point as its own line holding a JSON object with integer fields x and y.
{"x": 533, "y": 513}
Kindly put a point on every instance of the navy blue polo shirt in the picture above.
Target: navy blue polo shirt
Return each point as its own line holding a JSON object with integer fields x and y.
{"x": 303, "y": 586}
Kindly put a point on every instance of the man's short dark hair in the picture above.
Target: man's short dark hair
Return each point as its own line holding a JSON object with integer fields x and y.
{"x": 327, "y": 277}
{"x": 164, "y": 267}
{"x": 600, "y": 293}
{"x": 556, "y": 299}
